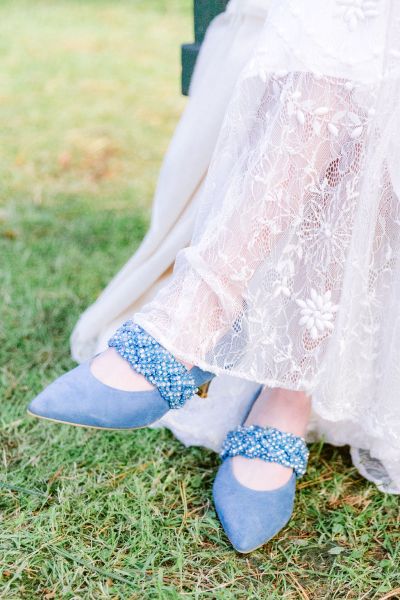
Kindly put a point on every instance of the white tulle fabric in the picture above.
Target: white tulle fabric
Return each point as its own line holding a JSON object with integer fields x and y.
{"x": 292, "y": 277}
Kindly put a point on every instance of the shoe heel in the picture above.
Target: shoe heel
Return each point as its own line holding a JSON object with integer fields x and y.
{"x": 203, "y": 390}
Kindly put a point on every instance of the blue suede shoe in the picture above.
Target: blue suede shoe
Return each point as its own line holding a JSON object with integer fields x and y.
{"x": 78, "y": 398}
{"x": 250, "y": 518}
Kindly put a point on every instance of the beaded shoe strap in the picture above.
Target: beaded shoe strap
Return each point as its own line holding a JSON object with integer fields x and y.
{"x": 268, "y": 443}
{"x": 147, "y": 357}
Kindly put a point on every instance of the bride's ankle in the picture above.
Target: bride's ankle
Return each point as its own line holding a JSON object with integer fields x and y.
{"x": 288, "y": 410}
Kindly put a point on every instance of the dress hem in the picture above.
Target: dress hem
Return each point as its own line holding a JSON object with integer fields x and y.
{"x": 206, "y": 366}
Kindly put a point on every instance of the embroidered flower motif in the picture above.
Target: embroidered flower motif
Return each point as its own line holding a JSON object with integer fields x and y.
{"x": 309, "y": 113}
{"x": 324, "y": 228}
{"x": 281, "y": 286}
{"x": 356, "y": 11}
{"x": 317, "y": 313}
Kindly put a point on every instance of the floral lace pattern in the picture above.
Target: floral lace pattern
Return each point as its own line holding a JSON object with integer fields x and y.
{"x": 292, "y": 278}
{"x": 355, "y": 12}
{"x": 269, "y": 258}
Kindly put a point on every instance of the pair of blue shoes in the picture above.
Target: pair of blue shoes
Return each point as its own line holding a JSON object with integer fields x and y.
{"x": 249, "y": 517}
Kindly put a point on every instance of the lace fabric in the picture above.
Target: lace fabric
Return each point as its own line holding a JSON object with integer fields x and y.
{"x": 292, "y": 276}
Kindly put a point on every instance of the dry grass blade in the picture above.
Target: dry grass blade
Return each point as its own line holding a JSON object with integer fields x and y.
{"x": 393, "y": 594}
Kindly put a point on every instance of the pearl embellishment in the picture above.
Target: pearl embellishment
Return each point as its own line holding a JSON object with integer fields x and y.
{"x": 147, "y": 357}
{"x": 268, "y": 443}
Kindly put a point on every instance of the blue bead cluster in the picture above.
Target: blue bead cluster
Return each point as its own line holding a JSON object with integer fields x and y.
{"x": 267, "y": 443}
{"x": 147, "y": 357}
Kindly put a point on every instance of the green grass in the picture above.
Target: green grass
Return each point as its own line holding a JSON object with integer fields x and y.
{"x": 89, "y": 94}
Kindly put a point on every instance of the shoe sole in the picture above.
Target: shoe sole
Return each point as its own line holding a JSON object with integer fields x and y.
{"x": 31, "y": 414}
{"x": 249, "y": 551}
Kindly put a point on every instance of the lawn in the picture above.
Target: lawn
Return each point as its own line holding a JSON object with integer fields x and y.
{"x": 89, "y": 95}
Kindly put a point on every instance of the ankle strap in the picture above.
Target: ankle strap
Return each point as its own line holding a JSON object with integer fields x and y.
{"x": 268, "y": 443}
{"x": 146, "y": 356}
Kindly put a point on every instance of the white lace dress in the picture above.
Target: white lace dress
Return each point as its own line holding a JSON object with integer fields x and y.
{"x": 292, "y": 275}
